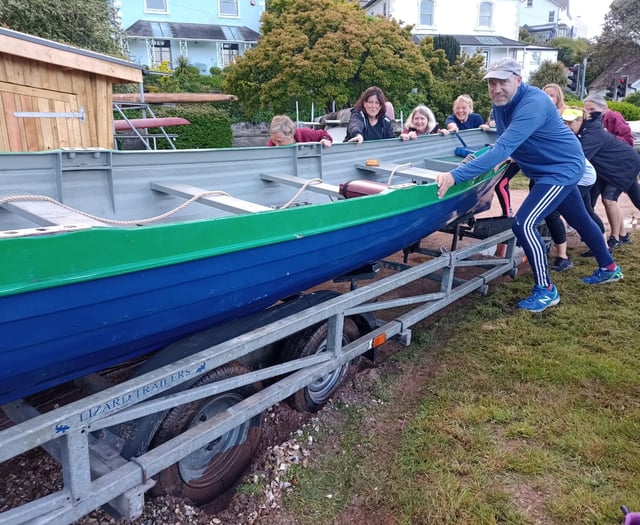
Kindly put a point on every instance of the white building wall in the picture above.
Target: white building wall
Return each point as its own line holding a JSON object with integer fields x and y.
{"x": 538, "y": 13}
{"x": 453, "y": 17}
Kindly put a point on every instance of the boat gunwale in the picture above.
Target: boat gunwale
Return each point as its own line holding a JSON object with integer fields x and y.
{"x": 361, "y": 210}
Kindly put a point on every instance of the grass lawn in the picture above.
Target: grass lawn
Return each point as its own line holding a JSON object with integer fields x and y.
{"x": 495, "y": 415}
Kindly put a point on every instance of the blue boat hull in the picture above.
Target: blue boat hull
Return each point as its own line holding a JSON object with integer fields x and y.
{"x": 58, "y": 334}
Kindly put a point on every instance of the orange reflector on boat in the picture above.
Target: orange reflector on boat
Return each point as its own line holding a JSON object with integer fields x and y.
{"x": 379, "y": 340}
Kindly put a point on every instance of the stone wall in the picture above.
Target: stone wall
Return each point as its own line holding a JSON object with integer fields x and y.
{"x": 247, "y": 134}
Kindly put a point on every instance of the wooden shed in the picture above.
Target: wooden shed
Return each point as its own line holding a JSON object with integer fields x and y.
{"x": 56, "y": 96}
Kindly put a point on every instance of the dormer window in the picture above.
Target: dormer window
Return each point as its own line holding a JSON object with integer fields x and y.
{"x": 426, "y": 12}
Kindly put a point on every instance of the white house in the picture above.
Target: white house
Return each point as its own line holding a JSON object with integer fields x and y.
{"x": 547, "y": 19}
{"x": 490, "y": 27}
{"x": 210, "y": 33}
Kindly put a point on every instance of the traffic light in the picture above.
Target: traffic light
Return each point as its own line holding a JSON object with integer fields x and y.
{"x": 621, "y": 87}
{"x": 573, "y": 78}
{"x": 611, "y": 90}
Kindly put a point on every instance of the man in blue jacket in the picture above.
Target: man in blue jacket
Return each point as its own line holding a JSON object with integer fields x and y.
{"x": 531, "y": 131}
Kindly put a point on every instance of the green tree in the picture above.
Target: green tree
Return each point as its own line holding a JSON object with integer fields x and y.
{"x": 88, "y": 24}
{"x": 449, "y": 45}
{"x": 525, "y": 36}
{"x": 620, "y": 38}
{"x": 571, "y": 51}
{"x": 323, "y": 51}
{"x": 549, "y": 73}
{"x": 465, "y": 76}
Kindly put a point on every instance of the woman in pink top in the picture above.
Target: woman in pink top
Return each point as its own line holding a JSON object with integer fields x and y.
{"x": 284, "y": 132}
{"x": 612, "y": 121}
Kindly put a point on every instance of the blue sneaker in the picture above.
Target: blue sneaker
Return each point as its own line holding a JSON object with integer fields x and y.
{"x": 602, "y": 275}
{"x": 561, "y": 264}
{"x": 540, "y": 299}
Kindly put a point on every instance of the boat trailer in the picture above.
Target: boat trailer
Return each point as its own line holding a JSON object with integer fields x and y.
{"x": 86, "y": 436}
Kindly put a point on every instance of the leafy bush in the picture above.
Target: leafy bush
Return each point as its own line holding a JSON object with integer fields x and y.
{"x": 210, "y": 127}
{"x": 629, "y": 111}
{"x": 634, "y": 99}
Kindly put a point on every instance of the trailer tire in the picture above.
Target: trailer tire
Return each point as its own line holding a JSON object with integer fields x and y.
{"x": 211, "y": 470}
{"x": 312, "y": 341}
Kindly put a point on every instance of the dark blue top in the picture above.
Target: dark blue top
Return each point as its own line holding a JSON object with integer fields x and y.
{"x": 474, "y": 120}
{"x": 615, "y": 161}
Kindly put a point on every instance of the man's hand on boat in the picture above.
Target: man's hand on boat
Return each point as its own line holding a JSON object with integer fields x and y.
{"x": 445, "y": 181}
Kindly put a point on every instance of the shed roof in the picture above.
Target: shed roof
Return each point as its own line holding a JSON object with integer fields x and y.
{"x": 54, "y": 53}
{"x": 151, "y": 29}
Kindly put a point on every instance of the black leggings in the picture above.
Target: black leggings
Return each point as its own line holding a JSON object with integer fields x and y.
{"x": 502, "y": 188}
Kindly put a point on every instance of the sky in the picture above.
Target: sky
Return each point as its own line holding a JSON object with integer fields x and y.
{"x": 591, "y": 13}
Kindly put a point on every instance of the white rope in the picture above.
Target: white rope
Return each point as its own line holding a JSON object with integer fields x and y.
{"x": 299, "y": 192}
{"x": 17, "y": 198}
{"x": 393, "y": 171}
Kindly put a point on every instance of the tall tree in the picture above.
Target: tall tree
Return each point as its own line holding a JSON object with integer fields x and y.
{"x": 620, "y": 38}
{"x": 449, "y": 45}
{"x": 323, "y": 51}
{"x": 465, "y": 77}
{"x": 549, "y": 73}
{"x": 570, "y": 51}
{"x": 88, "y": 24}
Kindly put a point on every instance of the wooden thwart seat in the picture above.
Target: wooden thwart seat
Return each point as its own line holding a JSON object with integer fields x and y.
{"x": 385, "y": 168}
{"x": 318, "y": 187}
{"x": 45, "y": 213}
{"x": 223, "y": 202}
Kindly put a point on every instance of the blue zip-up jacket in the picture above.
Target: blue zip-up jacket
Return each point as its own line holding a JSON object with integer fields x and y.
{"x": 531, "y": 132}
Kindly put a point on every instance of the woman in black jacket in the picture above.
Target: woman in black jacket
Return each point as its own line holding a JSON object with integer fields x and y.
{"x": 368, "y": 120}
{"x": 617, "y": 165}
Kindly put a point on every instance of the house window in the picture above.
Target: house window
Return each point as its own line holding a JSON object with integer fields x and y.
{"x": 535, "y": 58}
{"x": 228, "y": 7}
{"x": 426, "y": 12}
{"x": 161, "y": 52}
{"x": 156, "y": 6}
{"x": 486, "y": 12}
{"x": 552, "y": 16}
{"x": 229, "y": 53}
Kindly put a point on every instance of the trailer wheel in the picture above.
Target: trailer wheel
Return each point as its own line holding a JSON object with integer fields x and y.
{"x": 310, "y": 342}
{"x": 210, "y": 471}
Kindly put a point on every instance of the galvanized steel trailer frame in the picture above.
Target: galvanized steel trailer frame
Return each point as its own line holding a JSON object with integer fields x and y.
{"x": 94, "y": 474}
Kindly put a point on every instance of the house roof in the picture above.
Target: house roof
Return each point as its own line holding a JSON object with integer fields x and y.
{"x": 481, "y": 41}
{"x": 623, "y": 66}
{"x": 164, "y": 30}
{"x": 47, "y": 51}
